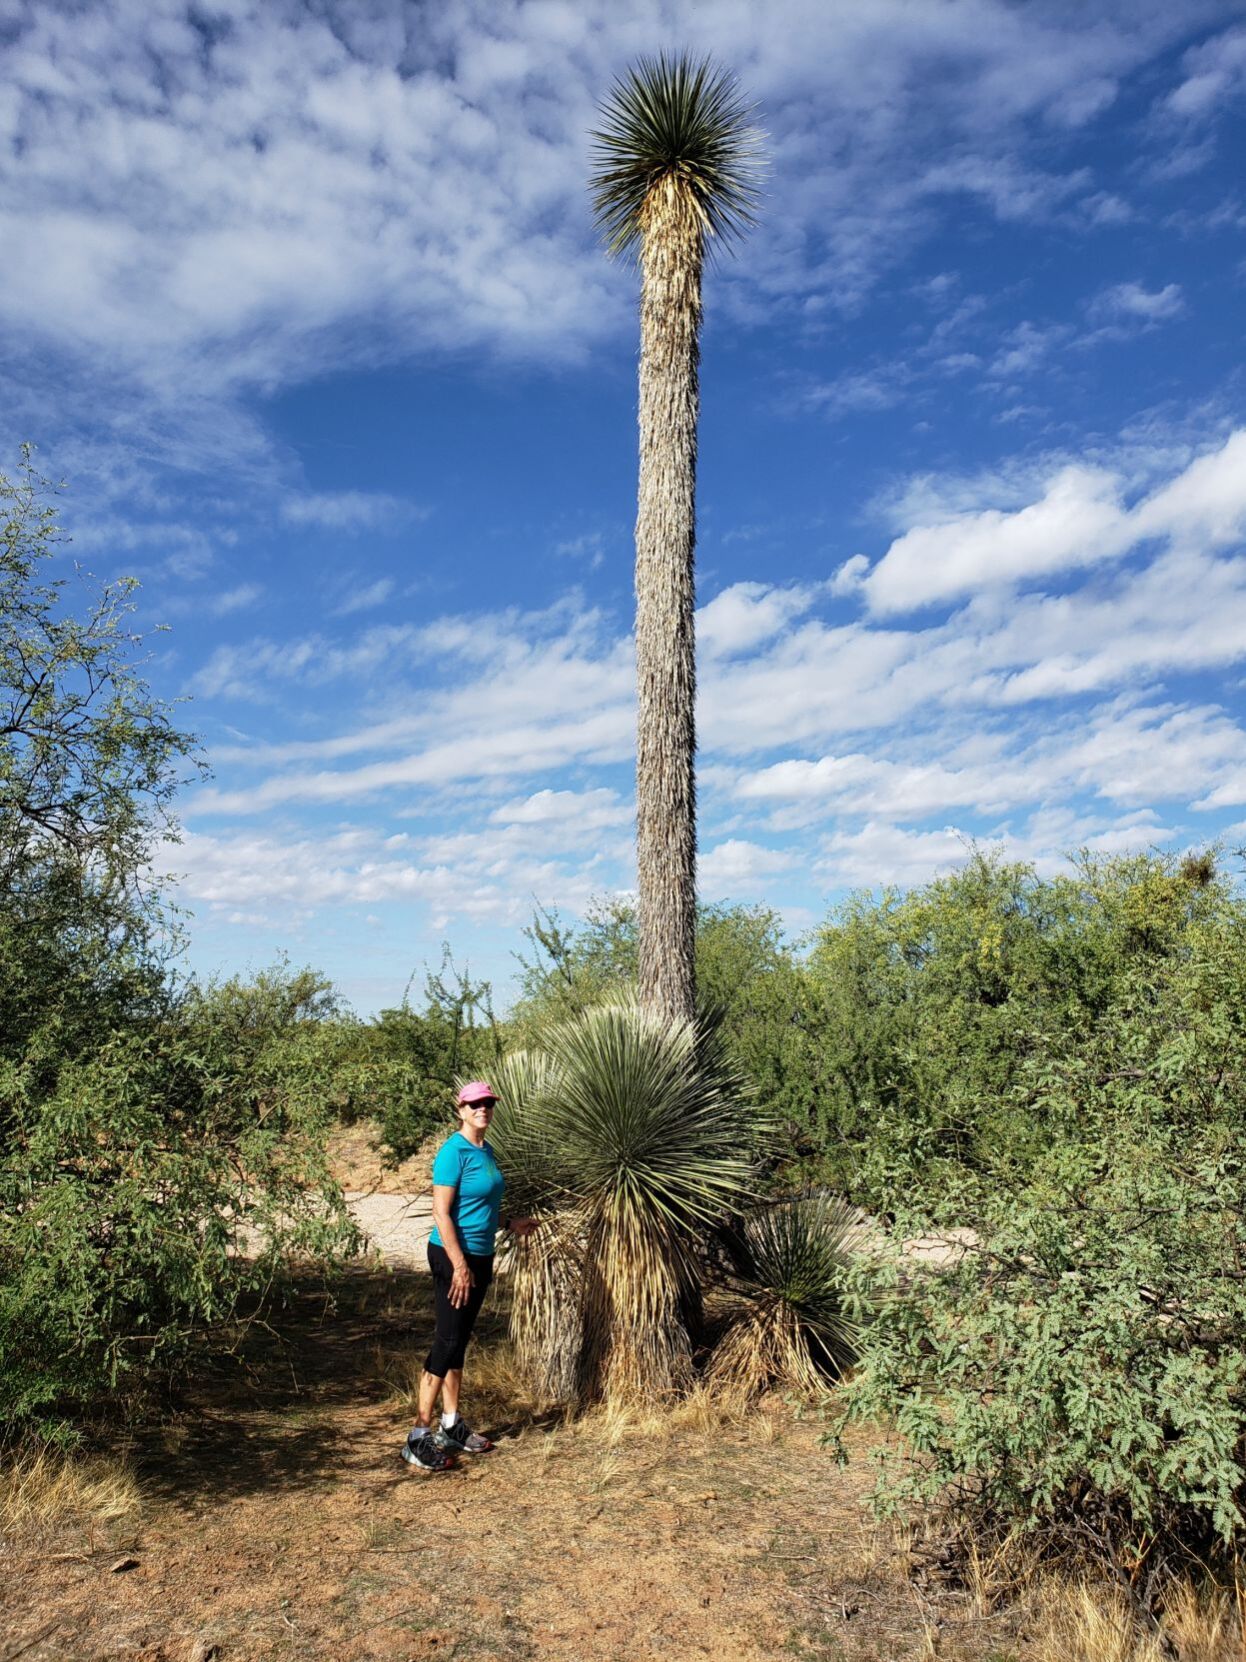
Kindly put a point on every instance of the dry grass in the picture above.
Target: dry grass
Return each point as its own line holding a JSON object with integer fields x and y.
{"x": 43, "y": 1488}
{"x": 1207, "y": 1626}
{"x": 497, "y": 1382}
{"x": 545, "y": 1320}
{"x": 501, "y": 1387}
{"x": 703, "y": 1412}
{"x": 999, "y": 1573}
{"x": 875, "y": 1553}
{"x": 765, "y": 1349}
{"x": 1093, "y": 1622}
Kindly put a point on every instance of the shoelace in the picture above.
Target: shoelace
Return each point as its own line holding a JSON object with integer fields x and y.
{"x": 426, "y": 1448}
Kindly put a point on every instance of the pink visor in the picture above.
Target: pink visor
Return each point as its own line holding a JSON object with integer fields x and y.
{"x": 476, "y": 1091}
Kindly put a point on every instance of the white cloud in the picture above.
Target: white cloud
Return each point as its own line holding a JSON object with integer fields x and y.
{"x": 1024, "y": 347}
{"x": 237, "y": 599}
{"x": 502, "y": 753}
{"x": 585, "y": 811}
{"x": 736, "y": 869}
{"x": 880, "y": 853}
{"x": 252, "y": 670}
{"x": 1135, "y": 300}
{"x": 1128, "y": 754}
{"x": 588, "y": 547}
{"x": 363, "y": 599}
{"x": 1037, "y": 718}
{"x": 1215, "y": 71}
{"x": 848, "y": 576}
{"x": 777, "y": 677}
{"x": 740, "y": 618}
{"x": 236, "y": 200}
{"x": 1206, "y": 503}
{"x": 349, "y": 511}
{"x": 274, "y": 875}
{"x": 1080, "y": 520}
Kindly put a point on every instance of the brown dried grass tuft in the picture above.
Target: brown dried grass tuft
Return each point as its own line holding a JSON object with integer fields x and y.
{"x": 43, "y": 1488}
{"x": 764, "y": 1348}
{"x": 1207, "y": 1625}
{"x": 701, "y": 1412}
{"x": 1093, "y": 1622}
{"x": 498, "y": 1386}
{"x": 636, "y": 1346}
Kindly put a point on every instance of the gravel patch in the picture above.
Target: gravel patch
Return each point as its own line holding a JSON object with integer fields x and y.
{"x": 397, "y": 1226}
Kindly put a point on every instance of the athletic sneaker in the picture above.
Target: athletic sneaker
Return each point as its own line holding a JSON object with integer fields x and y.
{"x": 458, "y": 1439}
{"x": 422, "y": 1451}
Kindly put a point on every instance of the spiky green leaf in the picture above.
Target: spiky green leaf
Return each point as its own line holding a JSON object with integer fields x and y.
{"x": 675, "y": 117}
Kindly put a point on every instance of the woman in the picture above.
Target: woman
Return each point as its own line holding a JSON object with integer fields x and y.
{"x": 467, "y": 1207}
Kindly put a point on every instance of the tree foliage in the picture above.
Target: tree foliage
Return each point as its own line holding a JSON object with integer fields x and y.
{"x": 406, "y": 1063}
{"x": 752, "y": 991}
{"x": 1080, "y": 1372}
{"x": 680, "y": 121}
{"x": 926, "y": 1010}
{"x": 89, "y": 760}
{"x": 161, "y": 1145}
{"x": 152, "y": 1178}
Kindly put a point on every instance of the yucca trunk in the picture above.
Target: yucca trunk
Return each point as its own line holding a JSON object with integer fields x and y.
{"x": 636, "y": 1347}
{"x": 672, "y": 250}
{"x": 547, "y": 1314}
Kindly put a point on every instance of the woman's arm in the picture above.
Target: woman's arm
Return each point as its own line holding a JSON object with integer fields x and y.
{"x": 462, "y": 1281}
{"x": 519, "y": 1226}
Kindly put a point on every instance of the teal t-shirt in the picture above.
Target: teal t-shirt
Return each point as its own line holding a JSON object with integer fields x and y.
{"x": 477, "y": 1181}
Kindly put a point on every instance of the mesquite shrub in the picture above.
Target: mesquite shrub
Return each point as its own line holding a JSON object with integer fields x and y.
{"x": 1080, "y": 1373}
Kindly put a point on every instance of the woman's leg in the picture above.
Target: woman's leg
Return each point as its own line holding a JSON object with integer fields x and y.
{"x": 443, "y": 1371}
{"x": 446, "y": 1333}
{"x": 451, "y": 1385}
{"x": 430, "y": 1385}
{"x": 455, "y": 1435}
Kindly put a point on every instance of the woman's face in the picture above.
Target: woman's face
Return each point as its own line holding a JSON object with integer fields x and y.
{"x": 477, "y": 1114}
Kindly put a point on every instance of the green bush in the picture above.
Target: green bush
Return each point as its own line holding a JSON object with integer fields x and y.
{"x": 1080, "y": 1373}
{"x": 152, "y": 1180}
{"x": 928, "y": 1012}
{"x": 161, "y": 1149}
{"x": 751, "y": 987}
{"x": 405, "y": 1065}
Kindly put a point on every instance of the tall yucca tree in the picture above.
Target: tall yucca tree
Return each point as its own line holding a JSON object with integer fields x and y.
{"x": 675, "y": 165}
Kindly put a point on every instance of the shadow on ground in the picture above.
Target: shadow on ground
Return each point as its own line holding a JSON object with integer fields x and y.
{"x": 262, "y": 1409}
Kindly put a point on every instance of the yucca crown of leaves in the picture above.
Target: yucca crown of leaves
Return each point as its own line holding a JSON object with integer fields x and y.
{"x": 675, "y": 117}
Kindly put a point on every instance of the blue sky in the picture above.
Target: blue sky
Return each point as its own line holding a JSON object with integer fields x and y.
{"x": 308, "y": 311}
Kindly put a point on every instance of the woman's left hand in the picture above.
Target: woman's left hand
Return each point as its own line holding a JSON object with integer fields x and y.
{"x": 523, "y": 1226}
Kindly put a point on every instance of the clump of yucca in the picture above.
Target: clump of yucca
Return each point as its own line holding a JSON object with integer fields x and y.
{"x": 800, "y": 1323}
{"x": 628, "y": 1136}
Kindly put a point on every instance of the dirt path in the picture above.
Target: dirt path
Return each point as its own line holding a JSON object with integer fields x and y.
{"x": 279, "y": 1525}
{"x": 398, "y": 1226}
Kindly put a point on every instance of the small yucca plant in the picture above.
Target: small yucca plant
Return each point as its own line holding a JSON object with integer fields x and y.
{"x": 801, "y": 1326}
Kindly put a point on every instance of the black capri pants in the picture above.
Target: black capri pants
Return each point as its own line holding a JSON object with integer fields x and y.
{"x": 454, "y": 1326}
